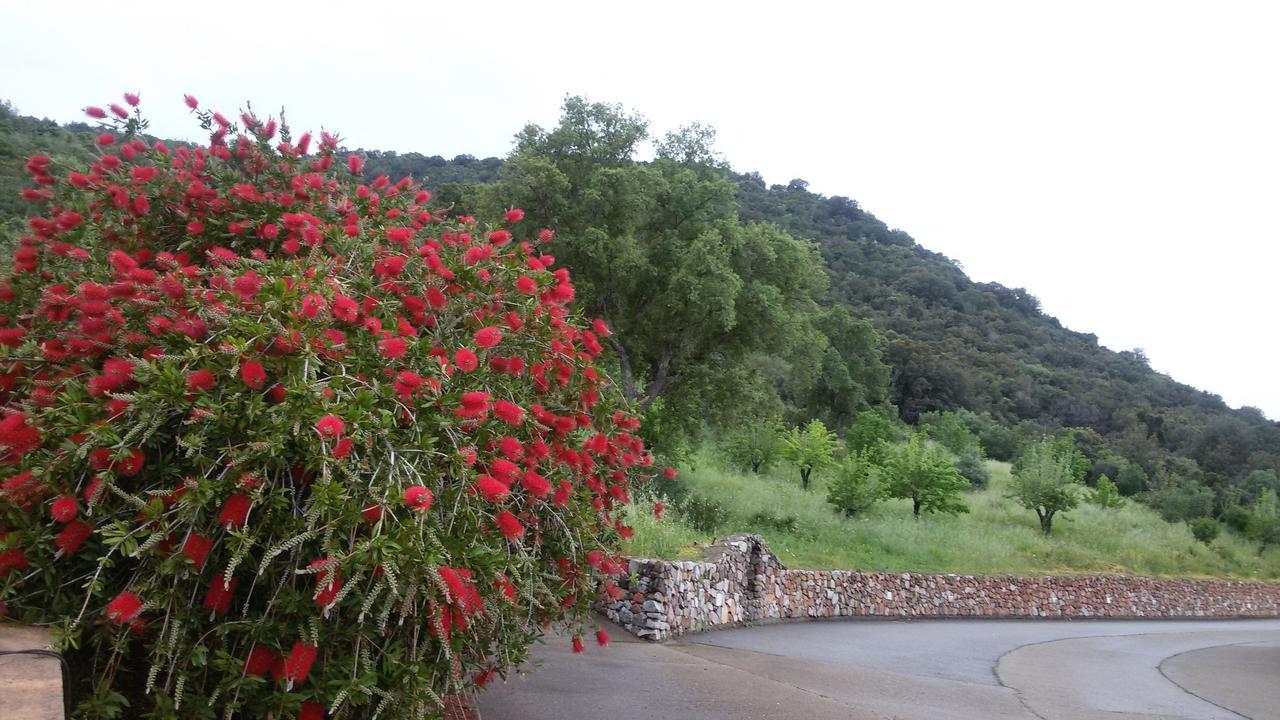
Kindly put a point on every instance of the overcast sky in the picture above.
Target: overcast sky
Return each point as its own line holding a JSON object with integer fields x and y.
{"x": 1121, "y": 160}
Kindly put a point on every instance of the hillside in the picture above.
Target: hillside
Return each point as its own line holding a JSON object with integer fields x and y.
{"x": 995, "y": 538}
{"x": 941, "y": 342}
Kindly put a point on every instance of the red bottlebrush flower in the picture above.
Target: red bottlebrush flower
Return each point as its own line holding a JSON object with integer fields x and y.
{"x": 355, "y": 164}
{"x": 537, "y": 485}
{"x": 669, "y": 473}
{"x": 328, "y": 591}
{"x": 11, "y": 337}
{"x": 510, "y": 525}
{"x": 601, "y": 328}
{"x": 13, "y": 559}
{"x": 343, "y": 448}
{"x": 259, "y": 662}
{"x": 626, "y": 532}
{"x": 197, "y": 548}
{"x": 119, "y": 111}
{"x": 545, "y": 236}
{"x": 372, "y": 514}
{"x": 96, "y": 113}
{"x": 218, "y": 599}
{"x": 577, "y": 645}
{"x": 330, "y": 426}
{"x": 298, "y": 664}
{"x": 235, "y": 512}
{"x": 65, "y": 508}
{"x": 465, "y": 360}
{"x": 191, "y": 101}
{"x": 515, "y": 215}
{"x": 527, "y": 285}
{"x": 200, "y": 380}
{"x": 418, "y": 498}
{"x": 247, "y": 285}
{"x": 124, "y": 607}
{"x": 132, "y": 99}
{"x": 475, "y": 405}
{"x": 253, "y": 374}
{"x": 311, "y": 711}
{"x": 658, "y": 508}
{"x": 488, "y": 337}
{"x": 312, "y": 304}
{"x": 132, "y": 465}
{"x": 491, "y": 488}
{"x": 392, "y": 348}
{"x": 563, "y": 491}
{"x": 277, "y": 393}
{"x": 345, "y": 308}
{"x": 106, "y": 139}
{"x": 508, "y": 412}
{"x": 499, "y": 237}
{"x": 602, "y": 638}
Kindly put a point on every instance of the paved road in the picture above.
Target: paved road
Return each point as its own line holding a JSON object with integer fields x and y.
{"x": 944, "y": 669}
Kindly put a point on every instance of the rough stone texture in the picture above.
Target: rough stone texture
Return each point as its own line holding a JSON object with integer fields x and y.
{"x": 741, "y": 581}
{"x": 30, "y": 685}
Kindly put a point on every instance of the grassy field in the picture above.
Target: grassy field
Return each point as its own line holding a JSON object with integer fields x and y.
{"x": 996, "y": 537}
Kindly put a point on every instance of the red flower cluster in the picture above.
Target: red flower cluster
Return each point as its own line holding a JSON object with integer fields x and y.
{"x": 246, "y": 355}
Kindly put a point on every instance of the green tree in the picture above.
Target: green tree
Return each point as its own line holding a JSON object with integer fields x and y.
{"x": 1047, "y": 479}
{"x": 924, "y": 472}
{"x": 856, "y": 485}
{"x": 1205, "y": 529}
{"x": 1264, "y": 521}
{"x": 755, "y": 446}
{"x": 870, "y": 432}
{"x": 1106, "y": 495}
{"x": 811, "y": 448}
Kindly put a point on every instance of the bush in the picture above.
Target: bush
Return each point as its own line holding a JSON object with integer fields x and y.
{"x": 1237, "y": 518}
{"x": 277, "y": 442}
{"x": 1106, "y": 495}
{"x": 856, "y": 486}
{"x": 972, "y": 467}
{"x": 704, "y": 514}
{"x": 766, "y": 520}
{"x": 1205, "y": 529}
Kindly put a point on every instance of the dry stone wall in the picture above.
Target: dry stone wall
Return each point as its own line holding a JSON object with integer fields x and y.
{"x": 741, "y": 582}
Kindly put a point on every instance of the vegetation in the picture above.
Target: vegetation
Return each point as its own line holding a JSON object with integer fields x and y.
{"x": 756, "y": 446}
{"x": 278, "y": 439}
{"x": 809, "y": 448}
{"x": 1046, "y": 479}
{"x": 856, "y": 487}
{"x": 924, "y": 473}
{"x": 1106, "y": 494}
{"x": 997, "y": 536}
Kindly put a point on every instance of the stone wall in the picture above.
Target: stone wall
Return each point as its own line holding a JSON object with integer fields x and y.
{"x": 741, "y": 582}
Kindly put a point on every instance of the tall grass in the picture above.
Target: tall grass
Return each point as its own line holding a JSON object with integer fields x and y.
{"x": 996, "y": 537}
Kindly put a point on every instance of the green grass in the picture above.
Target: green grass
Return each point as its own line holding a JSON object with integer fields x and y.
{"x": 996, "y": 537}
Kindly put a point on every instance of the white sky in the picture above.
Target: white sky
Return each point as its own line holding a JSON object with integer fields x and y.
{"x": 1121, "y": 160}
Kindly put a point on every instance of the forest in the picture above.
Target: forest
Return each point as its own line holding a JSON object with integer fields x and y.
{"x": 740, "y": 309}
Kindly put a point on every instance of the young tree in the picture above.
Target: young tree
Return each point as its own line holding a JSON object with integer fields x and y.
{"x": 1047, "y": 479}
{"x": 1264, "y": 521}
{"x": 924, "y": 472}
{"x": 856, "y": 485}
{"x": 810, "y": 449}
{"x": 870, "y": 432}
{"x": 755, "y": 446}
{"x": 1107, "y": 495}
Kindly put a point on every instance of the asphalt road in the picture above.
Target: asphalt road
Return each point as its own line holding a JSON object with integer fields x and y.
{"x": 941, "y": 669}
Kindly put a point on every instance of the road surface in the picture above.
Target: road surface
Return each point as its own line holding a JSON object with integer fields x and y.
{"x": 925, "y": 669}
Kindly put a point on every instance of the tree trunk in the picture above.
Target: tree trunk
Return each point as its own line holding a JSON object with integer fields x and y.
{"x": 1046, "y": 520}
{"x": 804, "y": 477}
{"x": 915, "y": 506}
{"x": 755, "y": 466}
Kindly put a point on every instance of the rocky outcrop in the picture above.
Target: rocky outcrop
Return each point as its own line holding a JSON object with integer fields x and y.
{"x": 741, "y": 582}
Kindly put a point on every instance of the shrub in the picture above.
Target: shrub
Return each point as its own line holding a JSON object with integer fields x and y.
{"x": 1106, "y": 495}
{"x": 277, "y": 441}
{"x": 767, "y": 520}
{"x": 1205, "y": 529}
{"x": 972, "y": 467}
{"x": 856, "y": 486}
{"x": 704, "y": 514}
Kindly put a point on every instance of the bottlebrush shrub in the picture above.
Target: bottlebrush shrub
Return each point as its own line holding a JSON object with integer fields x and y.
{"x": 281, "y": 442}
